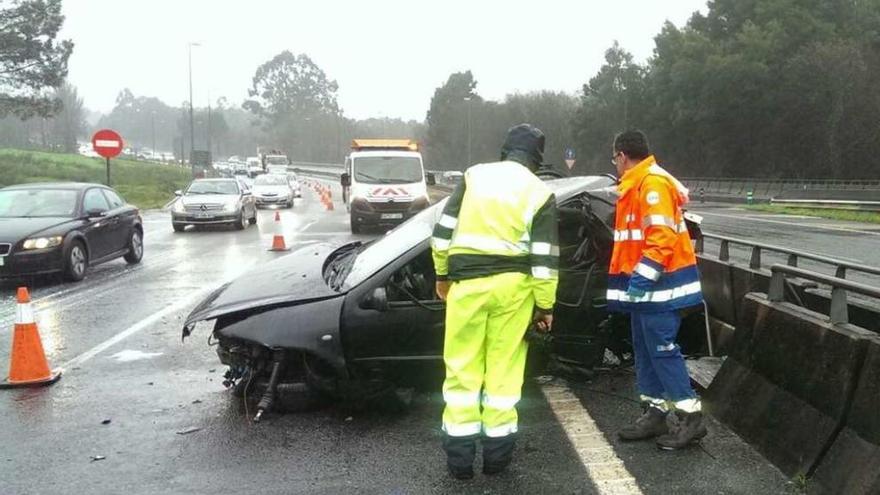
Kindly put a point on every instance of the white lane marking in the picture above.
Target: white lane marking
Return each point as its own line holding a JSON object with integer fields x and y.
{"x": 821, "y": 227}
{"x": 128, "y": 355}
{"x": 128, "y": 332}
{"x": 606, "y": 470}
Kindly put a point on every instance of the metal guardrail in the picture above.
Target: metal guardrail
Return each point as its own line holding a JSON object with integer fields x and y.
{"x": 794, "y": 255}
{"x": 822, "y": 204}
{"x": 764, "y": 186}
{"x": 839, "y": 310}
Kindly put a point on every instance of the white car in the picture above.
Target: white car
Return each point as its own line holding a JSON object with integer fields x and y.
{"x": 273, "y": 189}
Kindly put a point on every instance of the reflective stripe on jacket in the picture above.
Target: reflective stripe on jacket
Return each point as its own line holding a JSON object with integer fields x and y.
{"x": 500, "y": 219}
{"x": 651, "y": 239}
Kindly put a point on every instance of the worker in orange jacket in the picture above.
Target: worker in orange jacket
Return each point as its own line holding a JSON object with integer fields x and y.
{"x": 653, "y": 276}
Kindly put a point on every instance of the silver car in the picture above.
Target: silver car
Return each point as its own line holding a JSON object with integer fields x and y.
{"x": 273, "y": 189}
{"x": 214, "y": 202}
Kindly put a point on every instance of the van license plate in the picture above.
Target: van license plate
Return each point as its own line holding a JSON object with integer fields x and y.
{"x": 392, "y": 216}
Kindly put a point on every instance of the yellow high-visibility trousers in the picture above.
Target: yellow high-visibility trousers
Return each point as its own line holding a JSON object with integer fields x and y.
{"x": 485, "y": 354}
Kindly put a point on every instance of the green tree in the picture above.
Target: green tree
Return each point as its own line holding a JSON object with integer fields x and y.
{"x": 613, "y": 100}
{"x": 68, "y": 125}
{"x": 31, "y": 60}
{"x": 449, "y": 120}
{"x": 291, "y": 85}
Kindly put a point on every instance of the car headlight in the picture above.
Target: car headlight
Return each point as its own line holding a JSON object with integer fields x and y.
{"x": 230, "y": 207}
{"x": 178, "y": 207}
{"x": 42, "y": 242}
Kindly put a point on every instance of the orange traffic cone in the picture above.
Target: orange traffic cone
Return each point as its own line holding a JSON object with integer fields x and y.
{"x": 328, "y": 201}
{"x": 278, "y": 239}
{"x": 28, "y": 366}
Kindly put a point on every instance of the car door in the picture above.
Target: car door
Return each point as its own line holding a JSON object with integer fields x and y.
{"x": 394, "y": 321}
{"x": 122, "y": 219}
{"x": 99, "y": 227}
{"x": 248, "y": 202}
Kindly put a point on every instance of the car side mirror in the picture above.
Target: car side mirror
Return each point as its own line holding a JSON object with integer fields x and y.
{"x": 378, "y": 300}
{"x": 95, "y": 212}
{"x": 345, "y": 180}
{"x": 178, "y": 193}
{"x": 430, "y": 179}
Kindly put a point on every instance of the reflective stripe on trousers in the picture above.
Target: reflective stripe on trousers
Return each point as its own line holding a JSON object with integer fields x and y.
{"x": 484, "y": 349}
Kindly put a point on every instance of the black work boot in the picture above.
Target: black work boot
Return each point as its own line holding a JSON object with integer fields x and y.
{"x": 497, "y": 453}
{"x": 460, "y": 453}
{"x": 688, "y": 429}
{"x": 649, "y": 425}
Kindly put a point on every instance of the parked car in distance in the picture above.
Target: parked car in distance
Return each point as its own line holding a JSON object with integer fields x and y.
{"x": 65, "y": 228}
{"x": 274, "y": 190}
{"x": 214, "y": 202}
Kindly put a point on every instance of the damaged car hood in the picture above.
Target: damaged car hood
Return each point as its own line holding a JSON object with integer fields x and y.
{"x": 296, "y": 277}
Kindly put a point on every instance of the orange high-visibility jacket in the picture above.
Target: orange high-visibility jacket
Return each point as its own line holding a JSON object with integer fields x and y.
{"x": 651, "y": 239}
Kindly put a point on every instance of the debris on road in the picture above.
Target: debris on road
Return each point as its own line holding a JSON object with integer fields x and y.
{"x": 187, "y": 431}
{"x": 197, "y": 401}
{"x": 98, "y": 458}
{"x": 106, "y": 421}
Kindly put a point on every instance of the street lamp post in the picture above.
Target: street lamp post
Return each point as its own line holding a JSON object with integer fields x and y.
{"x": 468, "y": 100}
{"x": 153, "y": 129}
{"x": 192, "y": 125}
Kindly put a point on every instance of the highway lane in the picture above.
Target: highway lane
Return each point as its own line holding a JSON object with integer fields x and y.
{"x": 848, "y": 241}
{"x": 119, "y": 333}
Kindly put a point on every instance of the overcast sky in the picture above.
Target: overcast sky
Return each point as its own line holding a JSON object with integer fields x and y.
{"x": 388, "y": 56}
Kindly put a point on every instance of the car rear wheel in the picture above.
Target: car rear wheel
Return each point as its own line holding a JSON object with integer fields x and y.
{"x": 76, "y": 262}
{"x": 253, "y": 219}
{"x": 135, "y": 247}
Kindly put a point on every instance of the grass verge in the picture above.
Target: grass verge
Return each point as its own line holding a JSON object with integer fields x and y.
{"x": 847, "y": 215}
{"x": 145, "y": 185}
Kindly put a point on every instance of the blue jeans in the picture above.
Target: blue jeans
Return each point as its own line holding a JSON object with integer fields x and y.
{"x": 660, "y": 369}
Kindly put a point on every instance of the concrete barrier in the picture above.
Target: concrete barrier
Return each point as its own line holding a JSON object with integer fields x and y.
{"x": 852, "y": 465}
{"x": 787, "y": 381}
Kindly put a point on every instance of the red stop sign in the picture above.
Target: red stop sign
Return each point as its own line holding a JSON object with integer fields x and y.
{"x": 107, "y": 143}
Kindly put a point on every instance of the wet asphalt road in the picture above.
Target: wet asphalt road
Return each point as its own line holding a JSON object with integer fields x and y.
{"x": 847, "y": 241}
{"x": 117, "y": 334}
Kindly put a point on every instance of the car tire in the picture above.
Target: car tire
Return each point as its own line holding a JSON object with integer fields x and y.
{"x": 242, "y": 222}
{"x": 135, "y": 247}
{"x": 356, "y": 228}
{"x": 253, "y": 219}
{"x": 178, "y": 227}
{"x": 76, "y": 262}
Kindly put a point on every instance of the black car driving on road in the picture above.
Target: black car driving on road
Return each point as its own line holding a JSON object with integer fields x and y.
{"x": 65, "y": 228}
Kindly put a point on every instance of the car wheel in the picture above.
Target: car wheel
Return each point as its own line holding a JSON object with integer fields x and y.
{"x": 135, "y": 247}
{"x": 356, "y": 228}
{"x": 253, "y": 219}
{"x": 178, "y": 227}
{"x": 242, "y": 222}
{"x": 76, "y": 262}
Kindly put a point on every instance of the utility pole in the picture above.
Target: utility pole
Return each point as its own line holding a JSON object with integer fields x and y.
{"x": 153, "y": 129}
{"x": 468, "y": 99}
{"x": 192, "y": 125}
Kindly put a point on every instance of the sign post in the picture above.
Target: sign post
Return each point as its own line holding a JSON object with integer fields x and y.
{"x": 108, "y": 144}
{"x": 569, "y": 157}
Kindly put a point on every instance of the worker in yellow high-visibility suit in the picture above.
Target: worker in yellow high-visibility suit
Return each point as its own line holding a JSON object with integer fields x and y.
{"x": 496, "y": 256}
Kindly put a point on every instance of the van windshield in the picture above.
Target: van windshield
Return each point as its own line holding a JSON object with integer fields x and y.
{"x": 387, "y": 170}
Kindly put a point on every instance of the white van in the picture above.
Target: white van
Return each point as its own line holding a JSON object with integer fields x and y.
{"x": 384, "y": 182}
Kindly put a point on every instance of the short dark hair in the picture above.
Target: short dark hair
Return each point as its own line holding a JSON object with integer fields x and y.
{"x": 633, "y": 143}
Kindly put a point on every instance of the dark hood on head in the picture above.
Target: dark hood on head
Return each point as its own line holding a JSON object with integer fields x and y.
{"x": 294, "y": 278}
{"x": 13, "y": 230}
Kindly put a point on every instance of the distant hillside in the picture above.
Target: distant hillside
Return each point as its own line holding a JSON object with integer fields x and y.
{"x": 146, "y": 185}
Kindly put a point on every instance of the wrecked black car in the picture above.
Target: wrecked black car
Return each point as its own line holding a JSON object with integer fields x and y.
{"x": 355, "y": 320}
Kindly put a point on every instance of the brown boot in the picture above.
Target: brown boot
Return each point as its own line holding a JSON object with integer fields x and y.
{"x": 687, "y": 430}
{"x": 649, "y": 425}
